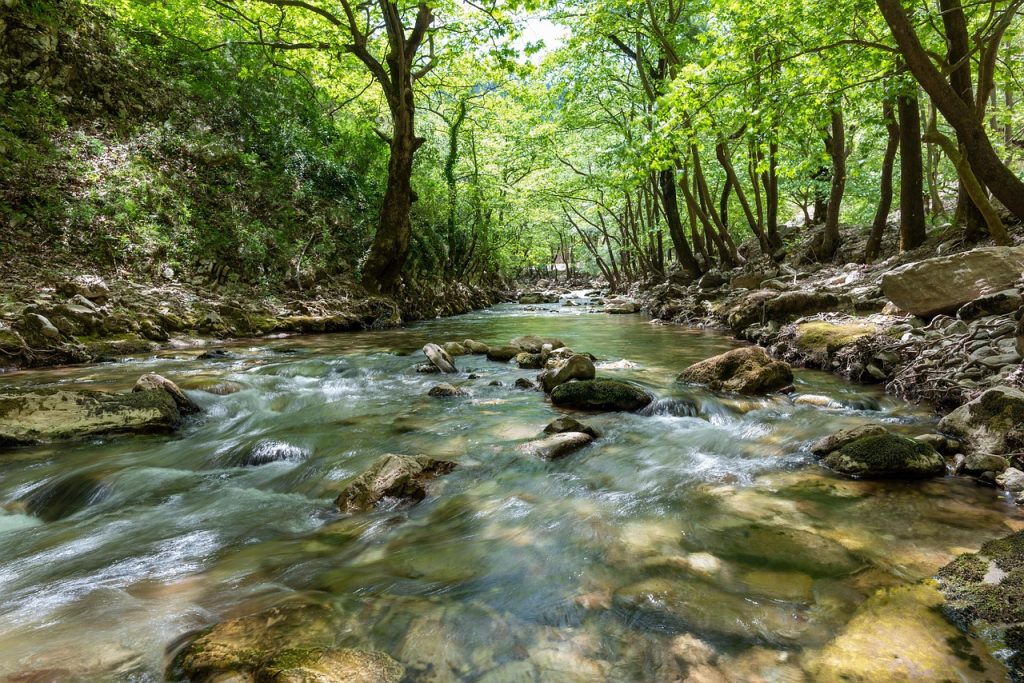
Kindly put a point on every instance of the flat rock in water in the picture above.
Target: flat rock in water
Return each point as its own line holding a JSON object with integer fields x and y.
{"x": 534, "y": 344}
{"x": 404, "y": 477}
{"x": 944, "y": 284}
{"x": 601, "y": 394}
{"x": 557, "y": 445}
{"x": 40, "y": 415}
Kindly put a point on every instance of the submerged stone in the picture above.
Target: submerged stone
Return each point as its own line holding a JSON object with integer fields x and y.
{"x": 782, "y": 548}
{"x": 899, "y": 635}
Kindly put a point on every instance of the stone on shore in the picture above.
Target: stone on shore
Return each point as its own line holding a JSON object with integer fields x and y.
{"x": 762, "y": 306}
{"x": 439, "y": 358}
{"x": 875, "y": 453}
{"x": 557, "y": 445}
{"x": 997, "y": 303}
{"x": 40, "y": 415}
{"x": 749, "y": 370}
{"x": 945, "y": 283}
{"x": 601, "y": 394}
{"x": 991, "y": 423}
{"x": 401, "y": 477}
{"x": 577, "y": 367}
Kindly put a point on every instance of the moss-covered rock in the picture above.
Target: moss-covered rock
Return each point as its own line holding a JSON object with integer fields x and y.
{"x": 886, "y": 456}
{"x": 899, "y": 635}
{"x": 749, "y": 370}
{"x": 600, "y": 394}
{"x": 985, "y": 594}
{"x": 992, "y": 423}
{"x": 762, "y": 306}
{"x": 403, "y": 477}
{"x": 821, "y": 336}
{"x": 38, "y": 415}
{"x": 767, "y": 546}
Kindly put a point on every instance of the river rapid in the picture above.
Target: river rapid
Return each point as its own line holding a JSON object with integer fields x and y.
{"x": 703, "y": 515}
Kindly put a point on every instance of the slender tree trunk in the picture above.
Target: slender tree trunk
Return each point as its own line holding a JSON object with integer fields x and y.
{"x": 934, "y": 157}
{"x": 670, "y": 203}
{"x": 885, "y": 187}
{"x": 912, "y": 223}
{"x": 722, "y": 152}
{"x": 837, "y": 150}
{"x": 770, "y": 181}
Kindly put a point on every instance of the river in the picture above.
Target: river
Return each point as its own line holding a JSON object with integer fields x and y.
{"x": 112, "y": 549}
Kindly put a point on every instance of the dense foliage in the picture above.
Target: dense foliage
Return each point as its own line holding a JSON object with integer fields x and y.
{"x": 252, "y": 138}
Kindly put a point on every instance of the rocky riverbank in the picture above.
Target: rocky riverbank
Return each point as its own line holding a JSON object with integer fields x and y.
{"x": 88, "y": 318}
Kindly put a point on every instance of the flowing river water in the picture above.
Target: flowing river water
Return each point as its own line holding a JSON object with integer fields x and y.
{"x": 704, "y": 515}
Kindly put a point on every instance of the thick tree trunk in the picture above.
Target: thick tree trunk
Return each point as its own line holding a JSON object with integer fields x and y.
{"x": 962, "y": 116}
{"x": 836, "y": 150}
{"x": 383, "y": 267}
{"x": 885, "y": 186}
{"x": 670, "y": 203}
{"x": 912, "y": 223}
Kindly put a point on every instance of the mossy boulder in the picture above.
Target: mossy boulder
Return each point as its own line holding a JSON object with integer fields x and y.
{"x": 40, "y": 415}
{"x": 529, "y": 361}
{"x": 899, "y": 635}
{"x": 821, "y": 336}
{"x": 991, "y": 423}
{"x": 749, "y": 370}
{"x": 403, "y": 478}
{"x": 600, "y": 394}
{"x": 886, "y": 456}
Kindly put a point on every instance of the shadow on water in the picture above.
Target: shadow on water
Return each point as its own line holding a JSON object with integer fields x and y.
{"x": 703, "y": 514}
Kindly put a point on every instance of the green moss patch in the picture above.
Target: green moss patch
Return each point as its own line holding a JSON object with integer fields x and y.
{"x": 827, "y": 337}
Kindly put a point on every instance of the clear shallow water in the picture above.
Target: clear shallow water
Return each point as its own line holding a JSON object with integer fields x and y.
{"x": 111, "y": 550}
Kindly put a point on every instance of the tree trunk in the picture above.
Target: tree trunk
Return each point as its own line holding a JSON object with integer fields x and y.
{"x": 962, "y": 116}
{"x": 670, "y": 202}
{"x": 383, "y": 267}
{"x": 885, "y": 187}
{"x": 836, "y": 150}
{"x": 912, "y": 224}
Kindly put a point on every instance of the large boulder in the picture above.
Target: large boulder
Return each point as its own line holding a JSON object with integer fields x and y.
{"x": 600, "y": 394}
{"x": 749, "y": 370}
{"x": 40, "y": 415}
{"x": 945, "y": 283}
{"x": 577, "y": 367}
{"x": 985, "y": 593}
{"x": 475, "y": 347}
{"x": 92, "y": 287}
{"x": 402, "y": 477}
{"x": 621, "y": 306}
{"x": 557, "y": 445}
{"x": 991, "y": 423}
{"x": 881, "y": 455}
{"x": 439, "y": 358}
